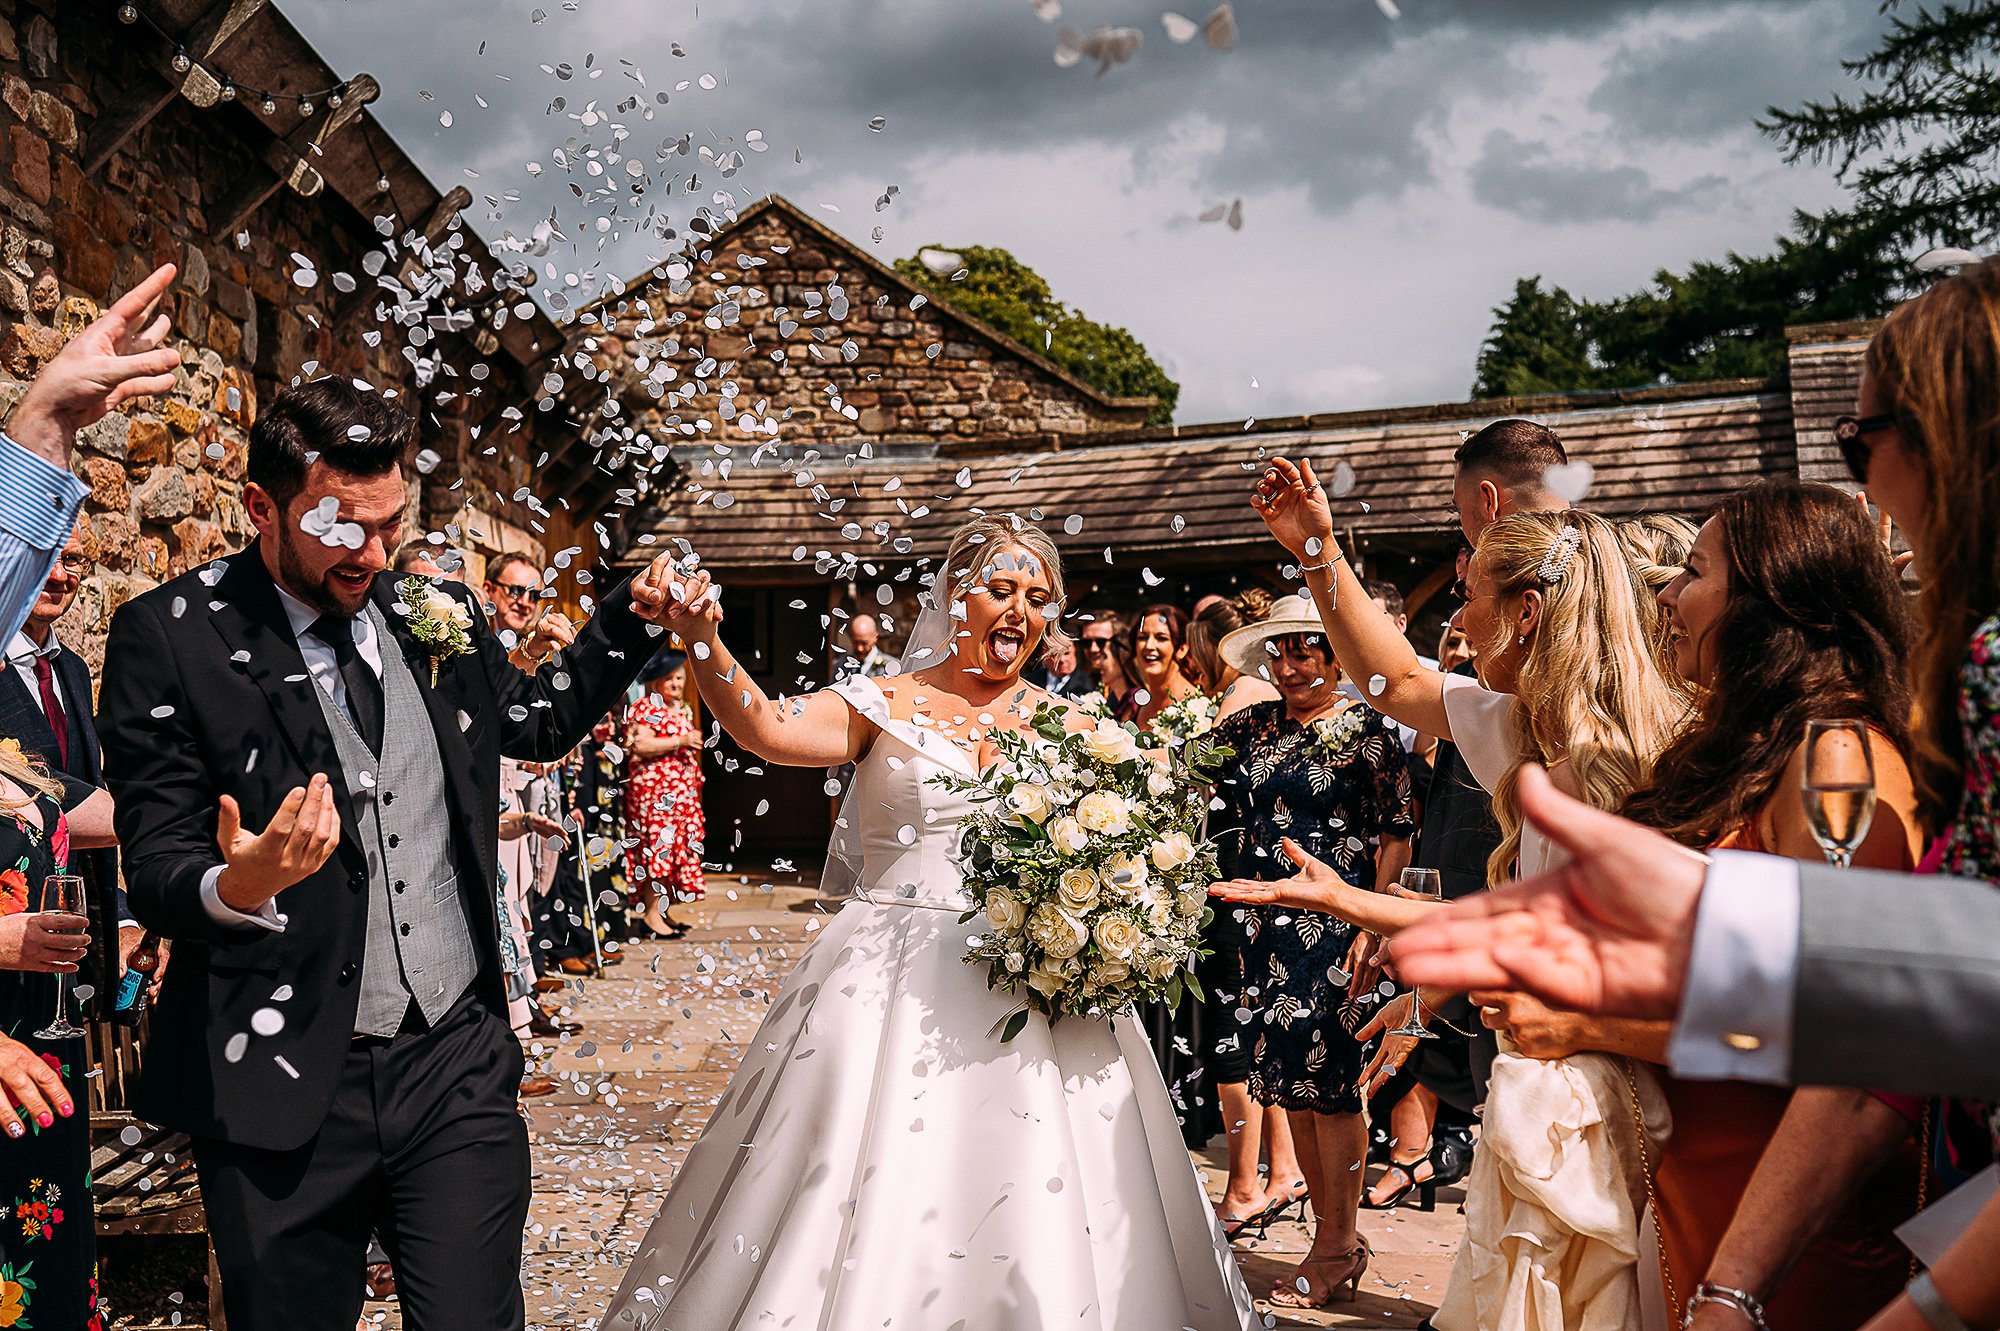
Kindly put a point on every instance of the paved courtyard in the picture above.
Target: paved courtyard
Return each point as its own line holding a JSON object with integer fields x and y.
{"x": 663, "y": 1034}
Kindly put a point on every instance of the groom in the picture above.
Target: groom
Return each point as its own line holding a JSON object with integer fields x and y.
{"x": 306, "y": 805}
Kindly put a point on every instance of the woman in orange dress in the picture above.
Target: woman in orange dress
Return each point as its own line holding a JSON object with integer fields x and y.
{"x": 1788, "y": 611}
{"x": 663, "y": 796}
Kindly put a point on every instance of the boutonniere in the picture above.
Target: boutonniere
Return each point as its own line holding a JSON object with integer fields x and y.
{"x": 1334, "y": 733}
{"x": 441, "y": 625}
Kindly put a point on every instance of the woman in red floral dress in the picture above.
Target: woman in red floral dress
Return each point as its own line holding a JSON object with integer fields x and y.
{"x": 663, "y": 796}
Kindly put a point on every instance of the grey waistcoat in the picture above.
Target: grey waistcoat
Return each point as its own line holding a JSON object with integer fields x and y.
{"x": 419, "y": 940}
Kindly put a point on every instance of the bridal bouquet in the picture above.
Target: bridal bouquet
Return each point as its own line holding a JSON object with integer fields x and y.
{"x": 1179, "y": 722}
{"x": 1085, "y": 855}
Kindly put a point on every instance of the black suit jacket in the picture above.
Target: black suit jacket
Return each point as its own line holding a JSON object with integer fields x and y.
{"x": 22, "y": 718}
{"x": 206, "y": 694}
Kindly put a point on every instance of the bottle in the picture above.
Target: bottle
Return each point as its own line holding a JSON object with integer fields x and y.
{"x": 135, "y": 987}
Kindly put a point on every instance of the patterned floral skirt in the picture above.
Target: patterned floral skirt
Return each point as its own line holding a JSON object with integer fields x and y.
{"x": 1303, "y": 1054}
{"x": 48, "y": 1243}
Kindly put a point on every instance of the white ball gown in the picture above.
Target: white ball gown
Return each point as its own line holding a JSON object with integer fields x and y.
{"x": 881, "y": 1161}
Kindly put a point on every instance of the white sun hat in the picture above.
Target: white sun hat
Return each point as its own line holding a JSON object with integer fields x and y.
{"x": 1248, "y": 649}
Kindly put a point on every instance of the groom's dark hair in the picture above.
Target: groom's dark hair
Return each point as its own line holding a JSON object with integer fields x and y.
{"x": 320, "y": 419}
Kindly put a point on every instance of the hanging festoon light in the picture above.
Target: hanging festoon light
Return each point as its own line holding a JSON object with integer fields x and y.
{"x": 128, "y": 14}
{"x": 305, "y": 106}
{"x": 228, "y": 93}
{"x": 182, "y": 61}
{"x": 269, "y": 106}
{"x": 182, "y": 64}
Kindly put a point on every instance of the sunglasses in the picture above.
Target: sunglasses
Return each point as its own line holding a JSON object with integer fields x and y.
{"x": 517, "y": 591}
{"x": 1851, "y": 433}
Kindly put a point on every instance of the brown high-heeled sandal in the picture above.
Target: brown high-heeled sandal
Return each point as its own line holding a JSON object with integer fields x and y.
{"x": 1355, "y": 1262}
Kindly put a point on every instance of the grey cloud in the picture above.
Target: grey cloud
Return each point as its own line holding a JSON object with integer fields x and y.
{"x": 1700, "y": 87}
{"x": 1520, "y": 178}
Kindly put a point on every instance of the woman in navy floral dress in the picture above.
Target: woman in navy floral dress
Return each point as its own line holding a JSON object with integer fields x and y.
{"x": 48, "y": 1242}
{"x": 1329, "y": 775}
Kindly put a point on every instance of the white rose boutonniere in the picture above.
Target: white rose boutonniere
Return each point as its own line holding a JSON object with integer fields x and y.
{"x": 441, "y": 625}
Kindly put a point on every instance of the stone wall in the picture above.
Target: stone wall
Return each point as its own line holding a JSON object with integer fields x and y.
{"x": 782, "y": 310}
{"x": 166, "y": 476}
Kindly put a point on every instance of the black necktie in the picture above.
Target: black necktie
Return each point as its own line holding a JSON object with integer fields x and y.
{"x": 364, "y": 691}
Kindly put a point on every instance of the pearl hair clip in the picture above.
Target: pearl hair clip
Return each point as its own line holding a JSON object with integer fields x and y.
{"x": 1563, "y": 549}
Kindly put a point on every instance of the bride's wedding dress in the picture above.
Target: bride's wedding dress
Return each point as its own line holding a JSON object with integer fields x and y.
{"x": 882, "y": 1162}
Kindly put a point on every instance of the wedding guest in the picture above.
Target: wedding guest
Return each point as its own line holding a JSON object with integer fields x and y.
{"x": 1786, "y": 610}
{"x": 119, "y": 356}
{"x": 1567, "y": 678}
{"x": 1502, "y": 470}
{"x": 48, "y": 704}
{"x": 1107, "y": 655}
{"x": 1231, "y": 688}
{"x": 45, "y": 1170}
{"x": 442, "y": 562}
{"x": 1656, "y": 545}
{"x": 1060, "y": 672}
{"x": 1315, "y": 773}
{"x": 663, "y": 795}
{"x": 1159, "y": 648}
{"x": 865, "y": 656}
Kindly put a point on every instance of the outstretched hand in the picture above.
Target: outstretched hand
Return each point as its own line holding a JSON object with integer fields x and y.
{"x": 1311, "y": 888}
{"x": 1293, "y": 505}
{"x": 120, "y": 356}
{"x": 688, "y": 604}
{"x": 1609, "y": 933}
{"x": 300, "y": 838}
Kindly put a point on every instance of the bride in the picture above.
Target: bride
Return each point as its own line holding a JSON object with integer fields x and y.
{"x": 881, "y": 1159}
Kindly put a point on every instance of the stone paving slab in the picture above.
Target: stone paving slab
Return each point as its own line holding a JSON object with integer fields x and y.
{"x": 607, "y": 1144}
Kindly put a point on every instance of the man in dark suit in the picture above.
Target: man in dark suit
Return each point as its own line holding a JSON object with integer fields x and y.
{"x": 306, "y": 761}
{"x": 46, "y": 701}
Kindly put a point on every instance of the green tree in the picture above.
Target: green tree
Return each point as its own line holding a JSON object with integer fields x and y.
{"x": 1919, "y": 148}
{"x": 1009, "y": 297}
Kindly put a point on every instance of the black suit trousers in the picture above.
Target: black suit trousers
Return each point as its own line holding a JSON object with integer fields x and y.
{"x": 422, "y": 1145}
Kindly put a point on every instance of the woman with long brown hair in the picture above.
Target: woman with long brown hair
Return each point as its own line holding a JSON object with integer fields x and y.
{"x": 1159, "y": 651}
{"x": 1786, "y": 611}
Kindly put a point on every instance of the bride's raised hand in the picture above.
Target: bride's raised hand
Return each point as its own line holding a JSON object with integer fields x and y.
{"x": 1293, "y": 505}
{"x": 683, "y": 602}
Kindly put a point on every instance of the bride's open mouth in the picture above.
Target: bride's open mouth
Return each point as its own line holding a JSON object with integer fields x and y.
{"x": 1004, "y": 645}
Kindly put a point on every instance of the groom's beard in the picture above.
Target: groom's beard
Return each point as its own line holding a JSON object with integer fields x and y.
{"x": 313, "y": 587}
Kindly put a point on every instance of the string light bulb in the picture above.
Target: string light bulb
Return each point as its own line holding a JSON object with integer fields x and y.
{"x": 270, "y": 106}
{"x": 228, "y": 93}
{"x": 128, "y": 14}
{"x": 382, "y": 185}
{"x": 333, "y": 100}
{"x": 305, "y": 106}
{"x": 181, "y": 62}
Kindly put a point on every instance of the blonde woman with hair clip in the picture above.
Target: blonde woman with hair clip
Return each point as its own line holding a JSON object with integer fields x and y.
{"x": 883, "y": 1157}
{"x": 1568, "y": 680}
{"x": 1656, "y": 545}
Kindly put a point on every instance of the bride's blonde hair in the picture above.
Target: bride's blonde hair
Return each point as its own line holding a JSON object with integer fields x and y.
{"x": 968, "y": 555}
{"x": 1590, "y": 690}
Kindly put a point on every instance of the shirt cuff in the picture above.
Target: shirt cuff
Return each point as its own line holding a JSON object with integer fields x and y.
{"x": 130, "y": 924}
{"x": 1735, "y": 1022}
{"x": 39, "y": 501}
{"x": 231, "y": 918}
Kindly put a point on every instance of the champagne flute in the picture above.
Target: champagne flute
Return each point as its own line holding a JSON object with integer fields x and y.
{"x": 62, "y": 894}
{"x": 1838, "y": 786}
{"x": 1424, "y": 885}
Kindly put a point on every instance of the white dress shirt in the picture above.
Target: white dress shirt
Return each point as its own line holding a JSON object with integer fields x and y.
{"x": 324, "y": 667}
{"x": 1735, "y": 1022}
{"x": 21, "y": 654}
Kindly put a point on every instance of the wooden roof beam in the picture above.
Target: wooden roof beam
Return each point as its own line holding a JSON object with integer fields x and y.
{"x": 150, "y": 96}
{"x": 288, "y": 161}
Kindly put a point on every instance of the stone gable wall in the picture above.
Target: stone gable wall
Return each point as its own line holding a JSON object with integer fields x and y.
{"x": 781, "y": 315}
{"x": 166, "y": 475}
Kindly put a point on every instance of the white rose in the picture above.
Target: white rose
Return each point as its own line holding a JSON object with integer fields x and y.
{"x": 1109, "y": 742}
{"x": 1055, "y": 932}
{"x": 1116, "y": 936}
{"x": 1159, "y": 780}
{"x": 1172, "y": 851}
{"x": 1192, "y": 899}
{"x": 1127, "y": 873}
{"x": 1015, "y": 963}
{"x": 1159, "y": 914}
{"x": 1161, "y": 964}
{"x": 1103, "y": 811}
{"x": 1029, "y": 803}
{"x": 1108, "y": 973}
{"x": 1078, "y": 889}
{"x": 1068, "y": 836}
{"x": 1006, "y": 914}
{"x": 1046, "y": 983}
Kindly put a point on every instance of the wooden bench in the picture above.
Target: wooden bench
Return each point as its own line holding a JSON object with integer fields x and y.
{"x": 142, "y": 1176}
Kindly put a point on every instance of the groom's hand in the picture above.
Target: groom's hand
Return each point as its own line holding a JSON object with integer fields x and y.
{"x": 300, "y": 837}
{"x": 689, "y": 604}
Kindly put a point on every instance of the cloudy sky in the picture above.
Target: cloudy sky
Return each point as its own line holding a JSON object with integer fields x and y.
{"x": 1396, "y": 175}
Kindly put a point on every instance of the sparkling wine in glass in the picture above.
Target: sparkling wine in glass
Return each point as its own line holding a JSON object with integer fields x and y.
{"x": 1838, "y": 786}
{"x": 1425, "y": 885}
{"x": 62, "y": 894}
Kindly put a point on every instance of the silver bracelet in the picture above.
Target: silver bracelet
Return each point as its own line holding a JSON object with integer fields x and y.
{"x": 1741, "y": 1300}
{"x": 1924, "y": 1297}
